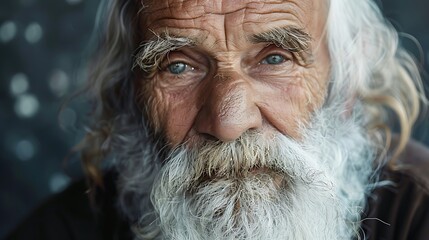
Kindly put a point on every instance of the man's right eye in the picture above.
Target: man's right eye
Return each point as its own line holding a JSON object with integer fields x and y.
{"x": 177, "y": 68}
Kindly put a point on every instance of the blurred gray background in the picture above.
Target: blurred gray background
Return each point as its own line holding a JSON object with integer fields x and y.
{"x": 43, "y": 44}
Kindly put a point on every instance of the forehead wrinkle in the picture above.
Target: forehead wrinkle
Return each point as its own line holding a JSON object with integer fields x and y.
{"x": 288, "y": 12}
{"x": 198, "y": 7}
{"x": 225, "y": 60}
{"x": 293, "y": 8}
{"x": 195, "y": 9}
{"x": 192, "y": 9}
{"x": 171, "y": 12}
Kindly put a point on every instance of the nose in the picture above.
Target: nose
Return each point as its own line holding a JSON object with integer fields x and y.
{"x": 229, "y": 109}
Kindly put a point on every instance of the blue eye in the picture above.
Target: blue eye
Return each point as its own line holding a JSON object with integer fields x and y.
{"x": 274, "y": 59}
{"x": 177, "y": 68}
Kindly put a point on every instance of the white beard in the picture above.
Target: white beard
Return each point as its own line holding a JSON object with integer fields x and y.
{"x": 258, "y": 187}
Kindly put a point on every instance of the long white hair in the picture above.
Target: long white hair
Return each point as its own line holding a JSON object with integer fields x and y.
{"x": 368, "y": 63}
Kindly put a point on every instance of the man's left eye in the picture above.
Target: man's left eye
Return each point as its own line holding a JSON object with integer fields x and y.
{"x": 178, "y": 68}
{"x": 274, "y": 59}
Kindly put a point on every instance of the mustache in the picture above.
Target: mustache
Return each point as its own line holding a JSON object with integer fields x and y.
{"x": 253, "y": 152}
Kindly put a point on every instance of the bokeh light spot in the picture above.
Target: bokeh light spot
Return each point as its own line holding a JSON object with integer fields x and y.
{"x": 33, "y": 32}
{"x": 19, "y": 84}
{"x": 59, "y": 82}
{"x": 8, "y": 31}
{"x": 58, "y": 182}
{"x": 25, "y": 150}
{"x": 26, "y": 106}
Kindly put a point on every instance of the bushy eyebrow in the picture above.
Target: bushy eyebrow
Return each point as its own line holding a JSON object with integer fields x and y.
{"x": 150, "y": 53}
{"x": 291, "y": 39}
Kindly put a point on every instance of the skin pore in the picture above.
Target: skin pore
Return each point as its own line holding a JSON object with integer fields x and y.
{"x": 228, "y": 78}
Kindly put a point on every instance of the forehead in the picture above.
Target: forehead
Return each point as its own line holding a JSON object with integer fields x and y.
{"x": 230, "y": 19}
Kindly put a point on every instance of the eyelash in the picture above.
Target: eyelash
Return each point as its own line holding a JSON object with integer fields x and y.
{"x": 272, "y": 49}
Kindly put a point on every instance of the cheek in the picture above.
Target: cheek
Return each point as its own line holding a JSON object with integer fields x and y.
{"x": 170, "y": 113}
{"x": 314, "y": 90}
{"x": 153, "y": 104}
{"x": 179, "y": 120}
{"x": 289, "y": 107}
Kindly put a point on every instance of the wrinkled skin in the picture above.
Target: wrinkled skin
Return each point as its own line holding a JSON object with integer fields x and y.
{"x": 227, "y": 87}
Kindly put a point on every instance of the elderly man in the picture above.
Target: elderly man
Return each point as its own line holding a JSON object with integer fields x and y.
{"x": 239, "y": 119}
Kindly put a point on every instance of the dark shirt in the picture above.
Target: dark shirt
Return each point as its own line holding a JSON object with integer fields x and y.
{"x": 398, "y": 211}
{"x": 70, "y": 215}
{"x": 401, "y": 211}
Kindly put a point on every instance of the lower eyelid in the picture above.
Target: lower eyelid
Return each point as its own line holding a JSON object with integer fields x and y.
{"x": 260, "y": 68}
{"x": 192, "y": 72}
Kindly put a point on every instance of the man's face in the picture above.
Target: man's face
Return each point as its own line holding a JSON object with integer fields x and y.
{"x": 247, "y": 65}
{"x": 252, "y": 76}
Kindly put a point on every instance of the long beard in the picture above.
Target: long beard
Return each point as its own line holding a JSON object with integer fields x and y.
{"x": 259, "y": 186}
